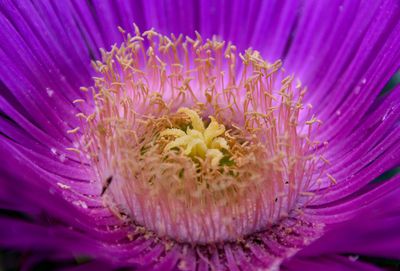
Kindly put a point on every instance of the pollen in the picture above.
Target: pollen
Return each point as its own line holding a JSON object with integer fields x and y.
{"x": 203, "y": 144}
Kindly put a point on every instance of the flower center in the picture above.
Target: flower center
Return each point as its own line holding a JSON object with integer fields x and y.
{"x": 239, "y": 171}
{"x": 198, "y": 142}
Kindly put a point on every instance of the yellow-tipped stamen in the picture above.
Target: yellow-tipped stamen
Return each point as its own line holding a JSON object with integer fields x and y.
{"x": 180, "y": 177}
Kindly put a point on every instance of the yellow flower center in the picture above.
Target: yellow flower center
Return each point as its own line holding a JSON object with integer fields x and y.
{"x": 199, "y": 142}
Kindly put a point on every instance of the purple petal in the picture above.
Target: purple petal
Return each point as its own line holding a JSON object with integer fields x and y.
{"x": 328, "y": 263}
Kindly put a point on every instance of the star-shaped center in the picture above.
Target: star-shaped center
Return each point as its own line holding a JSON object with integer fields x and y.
{"x": 202, "y": 142}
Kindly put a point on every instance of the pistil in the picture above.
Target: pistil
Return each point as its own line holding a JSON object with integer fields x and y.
{"x": 199, "y": 141}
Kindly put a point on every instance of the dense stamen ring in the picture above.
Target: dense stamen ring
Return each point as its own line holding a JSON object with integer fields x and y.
{"x": 220, "y": 183}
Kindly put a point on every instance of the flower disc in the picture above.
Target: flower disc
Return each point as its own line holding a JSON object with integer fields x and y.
{"x": 197, "y": 143}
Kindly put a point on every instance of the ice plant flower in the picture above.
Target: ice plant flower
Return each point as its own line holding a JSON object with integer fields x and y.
{"x": 246, "y": 140}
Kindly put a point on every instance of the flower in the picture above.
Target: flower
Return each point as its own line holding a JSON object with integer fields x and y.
{"x": 166, "y": 152}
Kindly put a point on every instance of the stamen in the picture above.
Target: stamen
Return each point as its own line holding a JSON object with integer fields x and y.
{"x": 239, "y": 171}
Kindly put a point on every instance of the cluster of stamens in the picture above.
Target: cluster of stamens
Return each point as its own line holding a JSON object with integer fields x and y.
{"x": 179, "y": 176}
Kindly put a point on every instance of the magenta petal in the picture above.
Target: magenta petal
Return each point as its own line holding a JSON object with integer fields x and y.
{"x": 374, "y": 232}
{"x": 328, "y": 263}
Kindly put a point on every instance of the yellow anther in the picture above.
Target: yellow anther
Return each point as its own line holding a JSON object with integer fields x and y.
{"x": 331, "y": 178}
{"x": 73, "y": 130}
{"x": 64, "y": 186}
